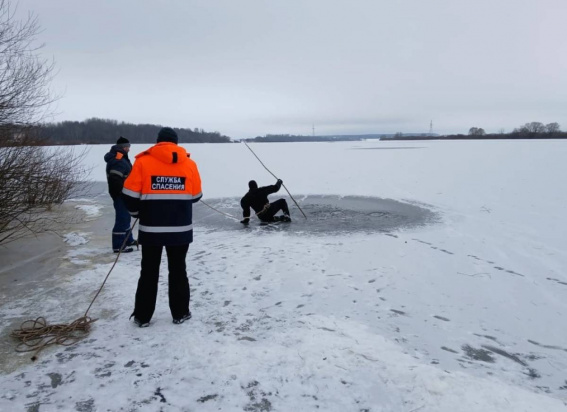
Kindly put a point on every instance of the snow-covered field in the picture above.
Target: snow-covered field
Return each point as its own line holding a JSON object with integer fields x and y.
{"x": 462, "y": 311}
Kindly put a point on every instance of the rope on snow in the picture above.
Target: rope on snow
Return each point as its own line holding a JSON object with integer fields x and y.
{"x": 35, "y": 334}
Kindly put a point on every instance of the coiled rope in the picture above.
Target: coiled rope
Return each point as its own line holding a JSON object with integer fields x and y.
{"x": 36, "y": 335}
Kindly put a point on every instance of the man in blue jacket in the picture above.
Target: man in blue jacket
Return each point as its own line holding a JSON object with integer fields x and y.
{"x": 118, "y": 167}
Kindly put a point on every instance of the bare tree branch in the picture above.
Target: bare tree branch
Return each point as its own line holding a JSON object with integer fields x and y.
{"x": 32, "y": 178}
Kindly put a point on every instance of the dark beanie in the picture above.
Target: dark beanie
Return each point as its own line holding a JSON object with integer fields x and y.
{"x": 252, "y": 184}
{"x": 167, "y": 134}
{"x": 122, "y": 141}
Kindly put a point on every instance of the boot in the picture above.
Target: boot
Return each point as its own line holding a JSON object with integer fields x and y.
{"x": 183, "y": 319}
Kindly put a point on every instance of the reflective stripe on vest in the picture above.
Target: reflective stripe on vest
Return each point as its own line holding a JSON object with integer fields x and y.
{"x": 131, "y": 193}
{"x": 165, "y": 229}
{"x": 116, "y": 172}
{"x": 170, "y": 196}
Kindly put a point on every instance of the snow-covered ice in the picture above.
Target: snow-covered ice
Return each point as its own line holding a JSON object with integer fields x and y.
{"x": 445, "y": 292}
{"x": 76, "y": 239}
{"x": 90, "y": 210}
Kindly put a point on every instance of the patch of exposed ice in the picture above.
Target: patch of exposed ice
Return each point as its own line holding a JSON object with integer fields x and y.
{"x": 79, "y": 262}
{"x": 83, "y": 252}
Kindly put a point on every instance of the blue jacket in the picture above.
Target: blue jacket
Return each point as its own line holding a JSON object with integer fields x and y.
{"x": 118, "y": 167}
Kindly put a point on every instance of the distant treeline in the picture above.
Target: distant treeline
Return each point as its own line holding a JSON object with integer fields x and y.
{"x": 269, "y": 138}
{"x": 98, "y": 131}
{"x": 489, "y": 136}
{"x": 533, "y": 130}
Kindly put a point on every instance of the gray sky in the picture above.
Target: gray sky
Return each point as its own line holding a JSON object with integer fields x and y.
{"x": 252, "y": 67}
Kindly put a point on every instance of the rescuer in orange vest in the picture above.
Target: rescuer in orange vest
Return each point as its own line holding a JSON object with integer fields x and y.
{"x": 160, "y": 191}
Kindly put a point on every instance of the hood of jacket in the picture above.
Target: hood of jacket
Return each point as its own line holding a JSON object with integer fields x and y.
{"x": 112, "y": 154}
{"x": 167, "y": 152}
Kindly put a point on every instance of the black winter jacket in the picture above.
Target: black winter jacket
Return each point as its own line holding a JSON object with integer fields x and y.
{"x": 118, "y": 167}
{"x": 257, "y": 199}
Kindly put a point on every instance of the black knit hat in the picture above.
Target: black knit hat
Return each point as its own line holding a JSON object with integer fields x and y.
{"x": 123, "y": 142}
{"x": 252, "y": 184}
{"x": 167, "y": 134}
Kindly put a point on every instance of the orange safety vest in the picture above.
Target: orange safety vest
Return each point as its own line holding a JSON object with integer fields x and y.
{"x": 160, "y": 190}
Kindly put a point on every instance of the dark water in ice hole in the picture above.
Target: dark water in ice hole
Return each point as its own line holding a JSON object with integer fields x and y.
{"x": 326, "y": 214}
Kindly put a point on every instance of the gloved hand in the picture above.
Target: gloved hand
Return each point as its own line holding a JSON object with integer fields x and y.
{"x": 280, "y": 181}
{"x": 245, "y": 221}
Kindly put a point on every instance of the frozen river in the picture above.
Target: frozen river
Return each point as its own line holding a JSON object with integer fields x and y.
{"x": 427, "y": 276}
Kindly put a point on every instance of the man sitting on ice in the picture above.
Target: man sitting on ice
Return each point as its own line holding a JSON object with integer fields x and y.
{"x": 257, "y": 199}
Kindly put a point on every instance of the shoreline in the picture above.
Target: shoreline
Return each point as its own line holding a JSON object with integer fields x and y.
{"x": 41, "y": 264}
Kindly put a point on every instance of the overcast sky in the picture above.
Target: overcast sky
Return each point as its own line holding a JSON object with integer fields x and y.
{"x": 253, "y": 67}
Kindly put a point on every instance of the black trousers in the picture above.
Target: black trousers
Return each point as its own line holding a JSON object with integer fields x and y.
{"x": 275, "y": 207}
{"x": 146, "y": 294}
